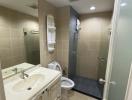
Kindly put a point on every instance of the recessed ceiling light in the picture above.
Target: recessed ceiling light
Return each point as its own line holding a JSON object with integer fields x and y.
{"x": 123, "y": 4}
{"x": 92, "y": 8}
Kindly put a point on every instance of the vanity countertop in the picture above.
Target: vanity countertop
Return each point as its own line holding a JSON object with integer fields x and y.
{"x": 11, "y": 84}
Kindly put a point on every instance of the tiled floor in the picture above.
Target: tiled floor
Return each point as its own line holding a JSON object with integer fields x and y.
{"x": 88, "y": 86}
{"x": 73, "y": 95}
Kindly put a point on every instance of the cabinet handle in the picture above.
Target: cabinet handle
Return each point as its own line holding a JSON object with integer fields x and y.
{"x": 43, "y": 92}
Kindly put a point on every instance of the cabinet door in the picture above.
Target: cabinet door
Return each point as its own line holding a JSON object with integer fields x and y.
{"x": 45, "y": 95}
{"x": 39, "y": 98}
{"x": 55, "y": 91}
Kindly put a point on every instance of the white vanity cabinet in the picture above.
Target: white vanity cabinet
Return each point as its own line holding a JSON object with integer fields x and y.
{"x": 53, "y": 91}
{"x": 43, "y": 96}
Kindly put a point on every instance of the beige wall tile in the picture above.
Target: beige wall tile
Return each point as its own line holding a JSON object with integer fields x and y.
{"x": 62, "y": 35}
{"x": 63, "y": 20}
{"x": 12, "y": 47}
{"x": 94, "y": 30}
{"x": 45, "y": 8}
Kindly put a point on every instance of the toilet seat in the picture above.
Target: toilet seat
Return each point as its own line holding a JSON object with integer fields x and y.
{"x": 67, "y": 83}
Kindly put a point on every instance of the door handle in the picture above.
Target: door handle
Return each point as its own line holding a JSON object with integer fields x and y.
{"x": 102, "y": 81}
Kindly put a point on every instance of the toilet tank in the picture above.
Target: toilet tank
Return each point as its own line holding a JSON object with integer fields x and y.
{"x": 55, "y": 66}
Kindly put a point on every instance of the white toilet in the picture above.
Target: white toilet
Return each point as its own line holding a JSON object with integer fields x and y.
{"x": 66, "y": 83}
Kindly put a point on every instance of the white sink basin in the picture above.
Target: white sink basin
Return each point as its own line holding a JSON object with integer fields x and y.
{"x": 39, "y": 78}
{"x": 28, "y": 83}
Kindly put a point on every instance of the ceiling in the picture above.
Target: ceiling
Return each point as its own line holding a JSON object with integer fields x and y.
{"x": 83, "y": 6}
{"x": 21, "y": 6}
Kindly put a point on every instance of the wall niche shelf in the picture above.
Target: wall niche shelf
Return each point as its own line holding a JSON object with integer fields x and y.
{"x": 51, "y": 33}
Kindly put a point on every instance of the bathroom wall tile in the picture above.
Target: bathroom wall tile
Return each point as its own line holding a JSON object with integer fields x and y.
{"x": 5, "y": 43}
{"x": 45, "y": 8}
{"x": 63, "y": 19}
{"x": 4, "y": 18}
{"x": 17, "y": 33}
{"x": 65, "y": 45}
{"x": 6, "y": 62}
{"x": 5, "y": 32}
{"x": 12, "y": 46}
{"x": 92, "y": 43}
{"x": 18, "y": 52}
{"x": 18, "y": 60}
{"x": 4, "y": 51}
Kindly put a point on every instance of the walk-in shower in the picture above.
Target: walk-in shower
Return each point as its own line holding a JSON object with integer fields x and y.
{"x": 88, "y": 51}
{"x": 32, "y": 48}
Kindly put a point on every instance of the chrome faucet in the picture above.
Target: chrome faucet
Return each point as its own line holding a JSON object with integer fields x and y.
{"x": 24, "y": 75}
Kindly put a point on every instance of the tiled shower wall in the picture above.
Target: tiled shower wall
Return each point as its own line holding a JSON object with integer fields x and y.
{"x": 12, "y": 47}
{"x": 93, "y": 43}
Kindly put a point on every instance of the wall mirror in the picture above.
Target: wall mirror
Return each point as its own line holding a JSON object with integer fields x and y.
{"x": 19, "y": 36}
